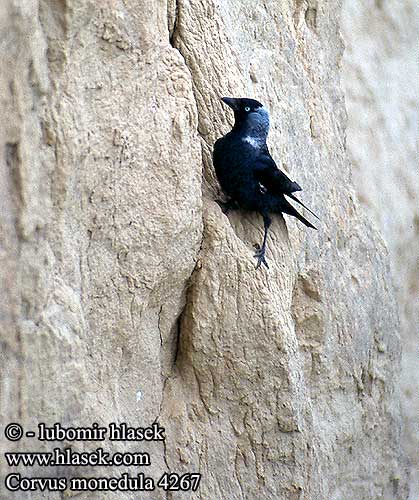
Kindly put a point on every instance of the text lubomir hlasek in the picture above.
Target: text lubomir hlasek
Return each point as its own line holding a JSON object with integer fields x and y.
{"x": 114, "y": 432}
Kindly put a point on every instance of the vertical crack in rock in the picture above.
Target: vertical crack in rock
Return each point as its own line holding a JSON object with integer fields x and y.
{"x": 12, "y": 162}
{"x": 158, "y": 326}
{"x": 173, "y": 21}
{"x": 177, "y": 341}
{"x": 173, "y": 10}
{"x": 12, "y": 300}
{"x": 174, "y": 38}
{"x": 267, "y": 392}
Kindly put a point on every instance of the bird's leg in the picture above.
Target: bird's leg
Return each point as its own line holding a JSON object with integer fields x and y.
{"x": 260, "y": 252}
{"x": 227, "y": 205}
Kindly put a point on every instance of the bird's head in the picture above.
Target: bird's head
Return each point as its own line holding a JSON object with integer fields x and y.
{"x": 250, "y": 116}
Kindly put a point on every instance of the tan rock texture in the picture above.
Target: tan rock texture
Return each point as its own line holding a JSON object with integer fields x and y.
{"x": 127, "y": 296}
{"x": 382, "y": 93}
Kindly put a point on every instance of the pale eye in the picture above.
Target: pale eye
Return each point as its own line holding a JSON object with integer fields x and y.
{"x": 247, "y": 109}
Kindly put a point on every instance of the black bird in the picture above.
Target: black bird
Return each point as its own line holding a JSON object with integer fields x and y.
{"x": 247, "y": 173}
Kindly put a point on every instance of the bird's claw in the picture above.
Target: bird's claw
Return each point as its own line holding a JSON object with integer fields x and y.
{"x": 260, "y": 256}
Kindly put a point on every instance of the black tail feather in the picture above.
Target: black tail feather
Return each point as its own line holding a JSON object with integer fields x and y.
{"x": 302, "y": 204}
{"x": 290, "y": 210}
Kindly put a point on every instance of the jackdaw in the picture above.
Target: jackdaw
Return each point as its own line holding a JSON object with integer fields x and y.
{"x": 247, "y": 173}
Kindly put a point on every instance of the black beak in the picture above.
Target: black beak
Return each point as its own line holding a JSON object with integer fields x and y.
{"x": 230, "y": 101}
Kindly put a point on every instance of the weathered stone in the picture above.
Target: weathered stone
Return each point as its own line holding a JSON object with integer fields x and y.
{"x": 381, "y": 84}
{"x": 128, "y": 296}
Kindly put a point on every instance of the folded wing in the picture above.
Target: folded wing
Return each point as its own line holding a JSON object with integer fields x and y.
{"x": 273, "y": 179}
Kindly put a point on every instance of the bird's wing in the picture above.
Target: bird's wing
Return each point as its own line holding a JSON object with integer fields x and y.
{"x": 273, "y": 179}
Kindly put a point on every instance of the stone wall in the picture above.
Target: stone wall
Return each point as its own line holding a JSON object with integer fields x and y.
{"x": 129, "y": 296}
{"x": 382, "y": 94}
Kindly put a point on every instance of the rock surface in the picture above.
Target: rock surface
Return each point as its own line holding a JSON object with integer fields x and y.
{"x": 382, "y": 92}
{"x": 129, "y": 297}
